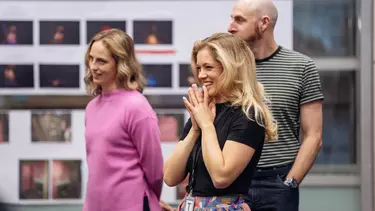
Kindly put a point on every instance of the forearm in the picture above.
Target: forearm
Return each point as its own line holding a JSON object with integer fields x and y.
{"x": 175, "y": 165}
{"x": 212, "y": 154}
{"x": 305, "y": 158}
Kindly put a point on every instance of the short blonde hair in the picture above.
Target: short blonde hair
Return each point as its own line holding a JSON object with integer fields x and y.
{"x": 238, "y": 83}
{"x": 130, "y": 74}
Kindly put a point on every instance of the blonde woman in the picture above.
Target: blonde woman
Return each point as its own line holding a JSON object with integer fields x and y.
{"x": 122, "y": 136}
{"x": 229, "y": 122}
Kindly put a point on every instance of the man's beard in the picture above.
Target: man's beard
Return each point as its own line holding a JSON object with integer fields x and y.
{"x": 258, "y": 35}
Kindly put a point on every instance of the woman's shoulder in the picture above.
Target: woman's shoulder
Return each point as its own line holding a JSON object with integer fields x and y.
{"x": 247, "y": 114}
{"x": 92, "y": 103}
{"x": 136, "y": 101}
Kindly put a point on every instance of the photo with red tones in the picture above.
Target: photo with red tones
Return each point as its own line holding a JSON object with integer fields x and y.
{"x": 33, "y": 179}
{"x": 66, "y": 179}
{"x": 170, "y": 125}
{"x": 94, "y": 27}
{"x": 153, "y": 32}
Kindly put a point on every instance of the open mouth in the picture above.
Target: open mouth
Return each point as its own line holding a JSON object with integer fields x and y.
{"x": 207, "y": 84}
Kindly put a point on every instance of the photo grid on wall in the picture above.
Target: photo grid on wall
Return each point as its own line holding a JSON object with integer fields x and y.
{"x": 42, "y": 53}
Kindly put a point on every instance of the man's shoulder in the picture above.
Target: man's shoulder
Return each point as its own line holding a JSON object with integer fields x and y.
{"x": 294, "y": 55}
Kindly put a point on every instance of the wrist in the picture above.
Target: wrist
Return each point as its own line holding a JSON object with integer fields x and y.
{"x": 291, "y": 182}
{"x": 207, "y": 126}
{"x": 195, "y": 132}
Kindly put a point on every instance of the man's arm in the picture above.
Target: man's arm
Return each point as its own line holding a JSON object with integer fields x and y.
{"x": 311, "y": 125}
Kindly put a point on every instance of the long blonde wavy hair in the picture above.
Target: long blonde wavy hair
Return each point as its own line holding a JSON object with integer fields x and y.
{"x": 238, "y": 83}
{"x": 130, "y": 74}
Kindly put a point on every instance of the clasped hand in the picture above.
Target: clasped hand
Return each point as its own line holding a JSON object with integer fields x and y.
{"x": 201, "y": 108}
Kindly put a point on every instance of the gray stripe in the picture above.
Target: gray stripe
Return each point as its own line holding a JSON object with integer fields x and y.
{"x": 290, "y": 79}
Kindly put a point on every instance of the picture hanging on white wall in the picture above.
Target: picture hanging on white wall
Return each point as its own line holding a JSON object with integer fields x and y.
{"x": 66, "y": 179}
{"x": 59, "y": 32}
{"x": 4, "y": 127}
{"x": 16, "y": 33}
{"x": 186, "y": 76}
{"x": 59, "y": 76}
{"x": 33, "y": 180}
{"x": 51, "y": 126}
{"x": 16, "y": 76}
{"x": 158, "y": 75}
{"x": 171, "y": 124}
{"x": 152, "y": 32}
{"x": 94, "y": 27}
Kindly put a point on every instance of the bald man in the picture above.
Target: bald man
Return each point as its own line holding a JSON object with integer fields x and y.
{"x": 291, "y": 80}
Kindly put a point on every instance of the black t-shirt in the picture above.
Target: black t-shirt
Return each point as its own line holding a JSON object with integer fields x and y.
{"x": 230, "y": 124}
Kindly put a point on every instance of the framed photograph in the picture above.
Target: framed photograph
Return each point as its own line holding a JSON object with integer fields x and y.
{"x": 4, "y": 127}
{"x": 171, "y": 124}
{"x": 94, "y": 27}
{"x": 16, "y": 76}
{"x": 59, "y": 32}
{"x": 59, "y": 76}
{"x": 186, "y": 76}
{"x": 16, "y": 33}
{"x": 66, "y": 179}
{"x": 33, "y": 179}
{"x": 51, "y": 126}
{"x": 152, "y": 32}
{"x": 158, "y": 75}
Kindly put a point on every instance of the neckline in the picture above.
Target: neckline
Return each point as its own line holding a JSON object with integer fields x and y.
{"x": 109, "y": 95}
{"x": 269, "y": 57}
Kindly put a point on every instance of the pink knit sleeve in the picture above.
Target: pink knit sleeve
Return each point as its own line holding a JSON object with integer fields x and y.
{"x": 146, "y": 137}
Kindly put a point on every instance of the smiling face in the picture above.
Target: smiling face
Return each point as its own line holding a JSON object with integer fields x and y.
{"x": 102, "y": 66}
{"x": 209, "y": 71}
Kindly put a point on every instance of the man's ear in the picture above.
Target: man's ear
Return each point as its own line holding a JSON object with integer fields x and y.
{"x": 265, "y": 22}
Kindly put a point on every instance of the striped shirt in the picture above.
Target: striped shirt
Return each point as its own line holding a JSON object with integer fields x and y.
{"x": 290, "y": 79}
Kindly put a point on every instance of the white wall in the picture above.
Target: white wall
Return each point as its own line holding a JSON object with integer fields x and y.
{"x": 192, "y": 20}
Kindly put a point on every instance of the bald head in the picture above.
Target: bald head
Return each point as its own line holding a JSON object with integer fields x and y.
{"x": 261, "y": 8}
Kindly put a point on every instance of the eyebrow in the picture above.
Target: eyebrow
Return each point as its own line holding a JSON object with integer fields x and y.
{"x": 97, "y": 57}
{"x": 204, "y": 64}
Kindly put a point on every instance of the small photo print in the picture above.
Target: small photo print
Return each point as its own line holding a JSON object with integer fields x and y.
{"x": 170, "y": 124}
{"x": 94, "y": 27}
{"x": 16, "y": 33}
{"x": 181, "y": 188}
{"x": 158, "y": 75}
{"x": 59, "y": 76}
{"x": 66, "y": 179}
{"x": 186, "y": 75}
{"x": 16, "y": 76}
{"x": 51, "y": 126}
{"x": 33, "y": 179}
{"x": 59, "y": 33}
{"x": 151, "y": 32}
{"x": 4, "y": 127}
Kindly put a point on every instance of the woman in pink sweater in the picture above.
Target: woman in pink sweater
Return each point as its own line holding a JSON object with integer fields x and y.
{"x": 122, "y": 136}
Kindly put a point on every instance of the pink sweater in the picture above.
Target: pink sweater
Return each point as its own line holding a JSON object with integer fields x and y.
{"x": 123, "y": 153}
